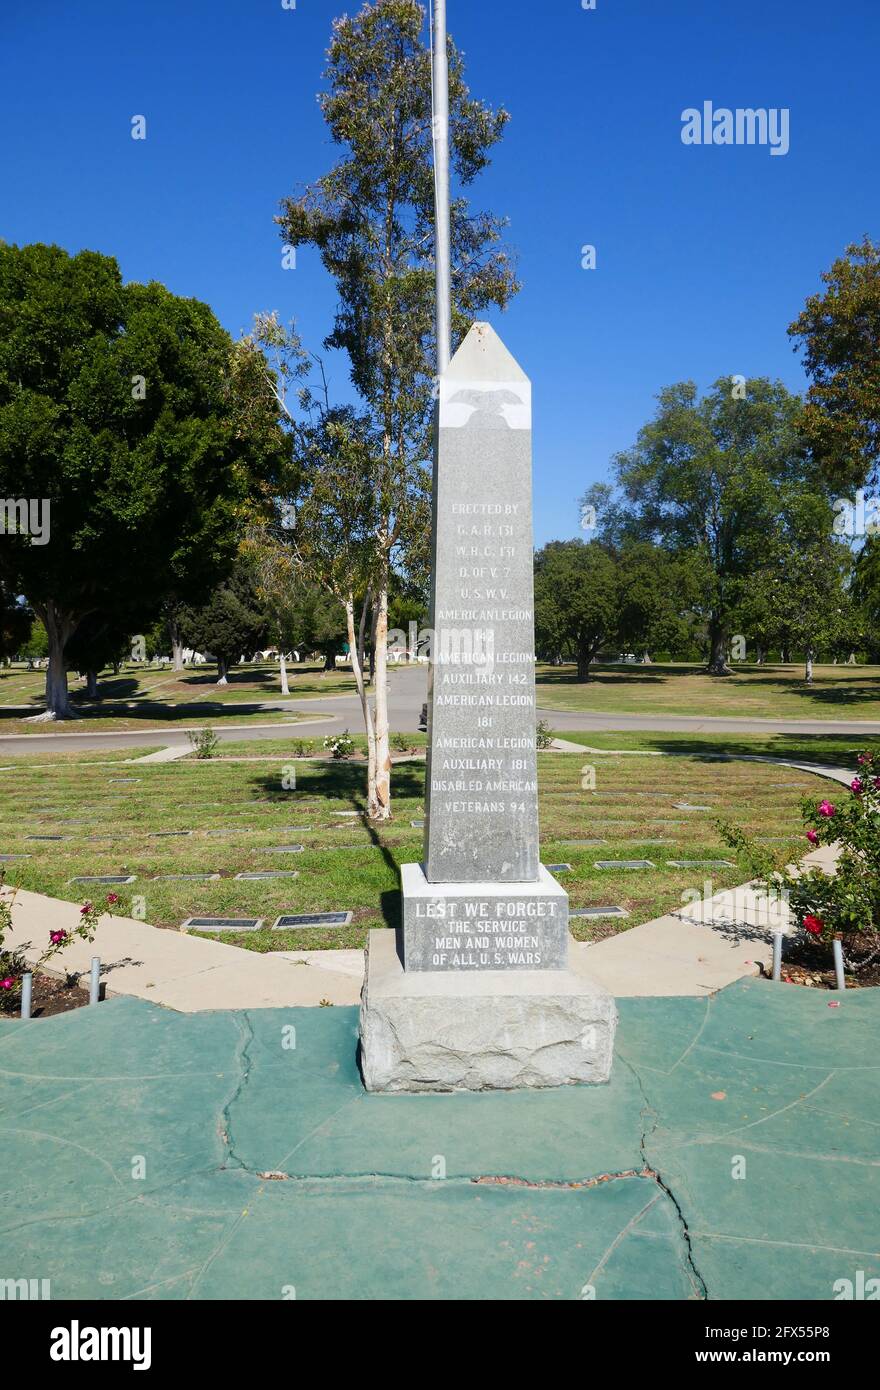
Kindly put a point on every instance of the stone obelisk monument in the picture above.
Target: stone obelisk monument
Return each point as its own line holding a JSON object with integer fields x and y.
{"x": 479, "y": 991}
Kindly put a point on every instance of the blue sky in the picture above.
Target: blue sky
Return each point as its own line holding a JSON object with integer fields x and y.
{"x": 705, "y": 254}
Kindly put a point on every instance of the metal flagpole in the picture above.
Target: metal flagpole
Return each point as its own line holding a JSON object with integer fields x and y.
{"x": 441, "y": 187}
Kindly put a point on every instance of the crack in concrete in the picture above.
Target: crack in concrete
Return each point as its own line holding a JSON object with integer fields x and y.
{"x": 649, "y": 1124}
{"x": 242, "y": 1061}
{"x": 648, "y": 1110}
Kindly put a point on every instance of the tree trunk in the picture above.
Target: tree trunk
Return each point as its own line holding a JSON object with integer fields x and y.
{"x": 583, "y": 663}
{"x": 285, "y": 688}
{"x": 808, "y": 668}
{"x": 222, "y": 669}
{"x": 718, "y": 651}
{"x": 355, "y": 646}
{"x": 380, "y": 801}
{"x": 92, "y": 685}
{"x": 59, "y": 627}
{"x": 373, "y": 623}
{"x": 176, "y": 645}
{"x": 330, "y": 660}
{"x": 759, "y": 654}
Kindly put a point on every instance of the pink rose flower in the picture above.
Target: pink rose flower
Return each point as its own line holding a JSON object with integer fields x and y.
{"x": 86, "y": 907}
{"x": 812, "y": 837}
{"x": 56, "y": 936}
{"x": 7, "y": 983}
{"x": 826, "y": 808}
{"x": 112, "y": 898}
{"x": 856, "y": 786}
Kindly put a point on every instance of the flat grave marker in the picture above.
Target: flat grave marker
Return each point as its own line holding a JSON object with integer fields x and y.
{"x": 283, "y": 849}
{"x": 103, "y": 878}
{"x": 599, "y": 912}
{"x": 591, "y": 843}
{"x": 624, "y": 864}
{"x": 168, "y": 834}
{"x": 686, "y": 806}
{"x": 184, "y": 878}
{"x": 700, "y": 864}
{"x": 558, "y": 868}
{"x": 259, "y": 874}
{"x": 312, "y": 919}
{"x": 6, "y": 857}
{"x": 222, "y": 923}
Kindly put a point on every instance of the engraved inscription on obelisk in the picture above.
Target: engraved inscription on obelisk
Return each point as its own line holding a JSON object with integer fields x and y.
{"x": 481, "y": 811}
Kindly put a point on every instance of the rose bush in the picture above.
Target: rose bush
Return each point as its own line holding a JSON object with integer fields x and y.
{"x": 845, "y": 903}
{"x": 13, "y": 964}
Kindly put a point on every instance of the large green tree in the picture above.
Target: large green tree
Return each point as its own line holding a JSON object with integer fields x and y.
{"x": 233, "y": 623}
{"x": 839, "y": 332}
{"x": 577, "y": 601}
{"x": 704, "y": 479}
{"x": 118, "y": 405}
{"x": 371, "y": 217}
{"x": 798, "y": 595}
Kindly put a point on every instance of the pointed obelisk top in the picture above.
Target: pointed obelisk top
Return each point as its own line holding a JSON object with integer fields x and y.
{"x": 483, "y": 357}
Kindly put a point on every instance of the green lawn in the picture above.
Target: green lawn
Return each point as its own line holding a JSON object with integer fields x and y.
{"x": 758, "y": 692}
{"x": 144, "y": 697}
{"x": 348, "y": 864}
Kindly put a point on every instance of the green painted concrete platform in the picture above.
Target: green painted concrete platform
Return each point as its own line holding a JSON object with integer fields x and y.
{"x": 268, "y": 1172}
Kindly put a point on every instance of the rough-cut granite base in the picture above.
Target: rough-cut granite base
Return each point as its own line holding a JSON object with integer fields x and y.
{"x": 490, "y": 1030}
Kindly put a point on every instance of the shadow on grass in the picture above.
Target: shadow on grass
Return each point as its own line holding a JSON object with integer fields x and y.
{"x": 818, "y": 749}
{"x": 345, "y": 782}
{"x": 850, "y": 689}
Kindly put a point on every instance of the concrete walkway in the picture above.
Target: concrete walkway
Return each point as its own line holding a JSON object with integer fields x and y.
{"x": 183, "y": 972}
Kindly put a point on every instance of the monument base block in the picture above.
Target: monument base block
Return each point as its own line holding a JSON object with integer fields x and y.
{"x": 481, "y": 1031}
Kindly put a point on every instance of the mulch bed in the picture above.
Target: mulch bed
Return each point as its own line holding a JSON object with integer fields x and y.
{"x": 811, "y": 963}
{"x": 49, "y": 996}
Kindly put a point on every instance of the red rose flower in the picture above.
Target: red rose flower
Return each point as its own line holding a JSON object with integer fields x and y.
{"x": 813, "y": 924}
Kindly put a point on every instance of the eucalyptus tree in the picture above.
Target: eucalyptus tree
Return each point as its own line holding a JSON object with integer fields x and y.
{"x": 371, "y": 218}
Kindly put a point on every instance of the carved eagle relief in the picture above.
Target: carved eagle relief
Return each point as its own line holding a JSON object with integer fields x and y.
{"x": 488, "y": 407}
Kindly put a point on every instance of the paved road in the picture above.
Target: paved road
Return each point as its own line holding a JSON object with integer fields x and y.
{"x": 332, "y": 713}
